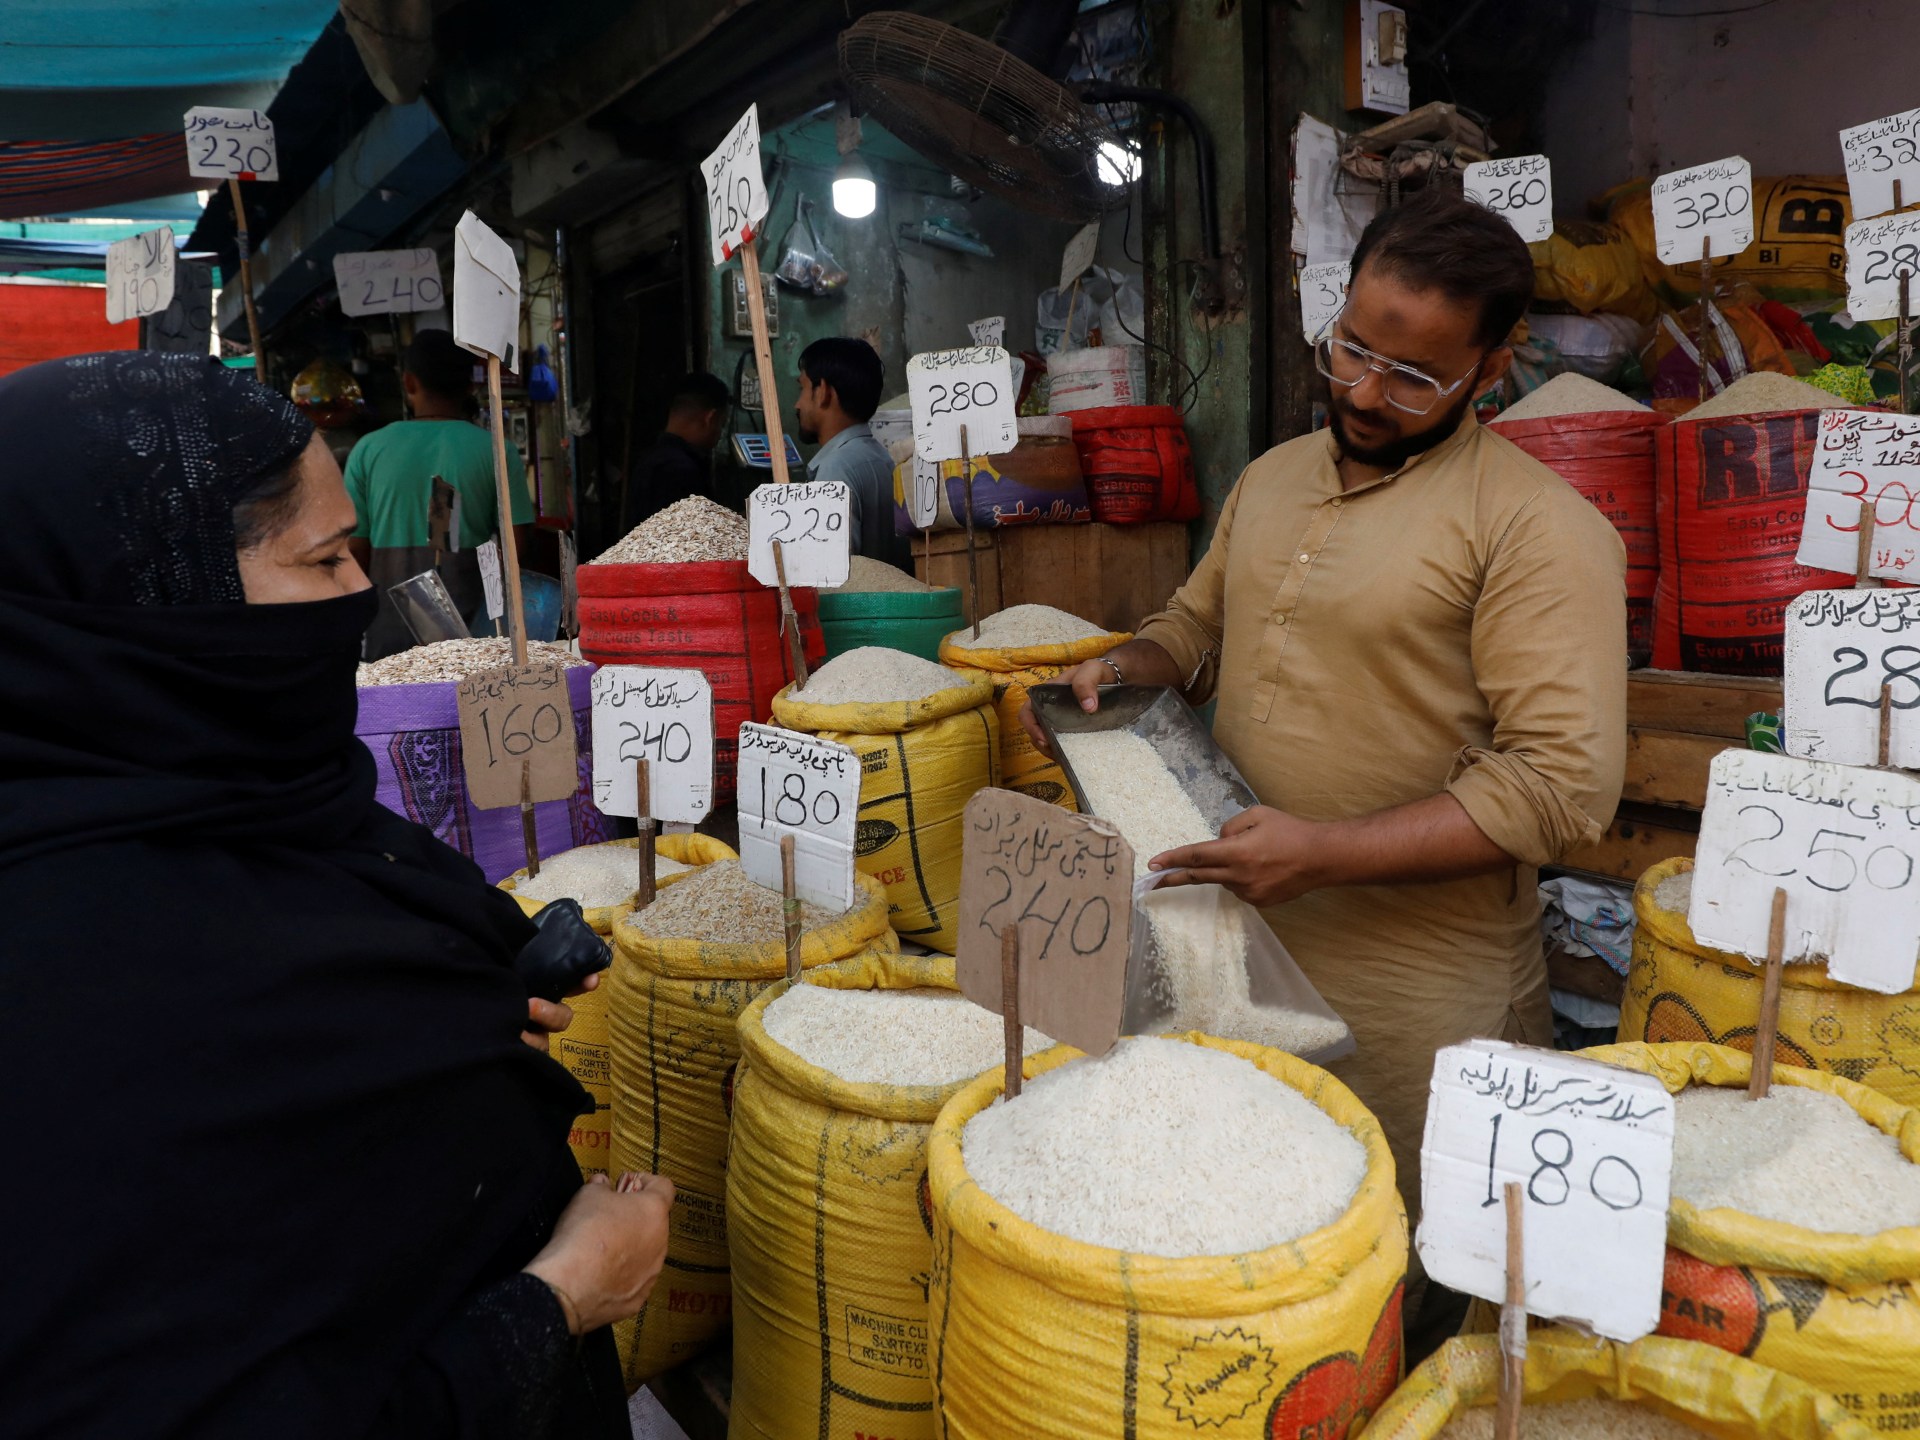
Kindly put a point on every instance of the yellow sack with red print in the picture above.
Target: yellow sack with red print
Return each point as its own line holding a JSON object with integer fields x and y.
{"x": 1841, "y": 1312}
{"x": 1046, "y": 1338}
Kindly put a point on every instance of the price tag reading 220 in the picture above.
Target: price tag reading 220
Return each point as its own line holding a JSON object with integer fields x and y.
{"x": 971, "y": 387}
{"x": 515, "y": 724}
{"x": 812, "y": 523}
{"x": 794, "y": 784}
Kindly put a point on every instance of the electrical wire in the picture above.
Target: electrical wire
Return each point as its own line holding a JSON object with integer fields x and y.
{"x": 1686, "y": 14}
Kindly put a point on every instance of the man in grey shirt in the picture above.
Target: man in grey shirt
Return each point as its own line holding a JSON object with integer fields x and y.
{"x": 840, "y": 383}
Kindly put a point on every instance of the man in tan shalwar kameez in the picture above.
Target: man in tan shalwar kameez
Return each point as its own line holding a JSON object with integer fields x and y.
{"x": 1416, "y": 635}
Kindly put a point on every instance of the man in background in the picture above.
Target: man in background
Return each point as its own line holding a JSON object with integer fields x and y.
{"x": 390, "y": 478}
{"x": 680, "y": 462}
{"x": 840, "y": 383}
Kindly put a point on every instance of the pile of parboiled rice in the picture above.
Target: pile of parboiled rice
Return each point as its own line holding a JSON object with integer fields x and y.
{"x": 875, "y": 674}
{"x": 1021, "y": 626}
{"x": 595, "y": 875}
{"x": 892, "y": 1037}
{"x": 1160, "y": 1147}
{"x": 1574, "y": 1420}
{"x": 1568, "y": 394}
{"x": 722, "y": 905}
{"x": 866, "y": 576}
{"x": 688, "y": 531}
{"x": 1764, "y": 391}
{"x": 454, "y": 660}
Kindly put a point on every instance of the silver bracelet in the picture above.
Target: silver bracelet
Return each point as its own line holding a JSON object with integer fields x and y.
{"x": 1118, "y": 678}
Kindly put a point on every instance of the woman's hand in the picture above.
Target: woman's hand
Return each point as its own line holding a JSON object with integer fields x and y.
{"x": 550, "y": 1017}
{"x": 607, "y": 1250}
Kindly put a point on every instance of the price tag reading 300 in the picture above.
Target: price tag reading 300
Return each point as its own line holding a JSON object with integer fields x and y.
{"x": 516, "y": 723}
{"x": 794, "y": 784}
{"x": 1710, "y": 205}
{"x": 664, "y": 717}
{"x": 973, "y": 387}
{"x": 813, "y": 523}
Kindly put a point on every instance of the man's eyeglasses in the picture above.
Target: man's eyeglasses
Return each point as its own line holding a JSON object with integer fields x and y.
{"x": 1414, "y": 391}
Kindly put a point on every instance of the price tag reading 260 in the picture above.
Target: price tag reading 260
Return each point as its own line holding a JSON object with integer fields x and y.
{"x": 794, "y": 784}
{"x": 1518, "y": 187}
{"x": 972, "y": 386}
{"x": 517, "y": 724}
{"x": 736, "y": 188}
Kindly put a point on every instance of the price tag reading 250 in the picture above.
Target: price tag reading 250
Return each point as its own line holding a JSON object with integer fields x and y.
{"x": 794, "y": 784}
{"x": 516, "y": 723}
{"x": 973, "y": 387}
{"x": 1710, "y": 205}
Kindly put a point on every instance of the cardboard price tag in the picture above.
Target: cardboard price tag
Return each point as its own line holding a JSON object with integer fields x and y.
{"x": 1876, "y": 155}
{"x": 1879, "y": 252}
{"x": 664, "y": 717}
{"x": 1842, "y": 646}
{"x": 140, "y": 275}
{"x": 971, "y": 387}
{"x": 388, "y": 282}
{"x": 1711, "y": 202}
{"x": 1066, "y": 881}
{"x": 238, "y": 143}
{"x": 1842, "y": 842}
{"x": 1593, "y": 1147}
{"x": 736, "y": 189}
{"x": 514, "y": 721}
{"x": 794, "y": 784}
{"x": 813, "y": 523}
{"x": 1519, "y": 187}
{"x": 1323, "y": 294}
{"x": 1863, "y": 456}
{"x": 486, "y": 291}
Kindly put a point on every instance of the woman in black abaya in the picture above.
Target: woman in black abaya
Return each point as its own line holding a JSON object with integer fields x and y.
{"x": 279, "y": 1162}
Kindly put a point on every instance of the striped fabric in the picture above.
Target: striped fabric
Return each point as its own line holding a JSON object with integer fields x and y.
{"x": 59, "y": 177}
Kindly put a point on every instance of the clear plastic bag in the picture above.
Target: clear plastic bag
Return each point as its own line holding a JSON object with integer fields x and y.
{"x": 1205, "y": 960}
{"x": 805, "y": 261}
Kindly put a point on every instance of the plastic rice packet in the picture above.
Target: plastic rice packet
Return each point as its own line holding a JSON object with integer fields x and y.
{"x": 1204, "y": 960}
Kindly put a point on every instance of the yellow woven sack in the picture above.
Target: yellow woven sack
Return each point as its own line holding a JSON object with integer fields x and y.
{"x": 830, "y": 1236}
{"x": 1799, "y": 249}
{"x": 582, "y": 1046}
{"x": 920, "y": 762}
{"x": 1680, "y": 990}
{"x": 1046, "y": 1338}
{"x": 673, "y": 1007}
{"x": 1023, "y": 765}
{"x": 1591, "y": 267}
{"x": 1841, "y": 1312}
{"x": 1697, "y": 1385}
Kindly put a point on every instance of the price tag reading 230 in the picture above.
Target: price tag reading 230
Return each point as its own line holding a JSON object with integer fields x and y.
{"x": 812, "y": 522}
{"x": 794, "y": 784}
{"x": 514, "y": 724}
{"x": 972, "y": 386}
{"x": 664, "y": 717}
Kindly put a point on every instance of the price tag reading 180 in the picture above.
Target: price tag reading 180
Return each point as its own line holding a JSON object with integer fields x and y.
{"x": 515, "y": 724}
{"x": 1878, "y": 154}
{"x": 736, "y": 189}
{"x": 1518, "y": 187}
{"x": 664, "y": 717}
{"x": 794, "y": 784}
{"x": 971, "y": 387}
{"x": 812, "y": 521}
{"x": 223, "y": 142}
{"x": 1710, "y": 205}
{"x": 1591, "y": 1145}
{"x": 388, "y": 282}
{"x": 1879, "y": 252}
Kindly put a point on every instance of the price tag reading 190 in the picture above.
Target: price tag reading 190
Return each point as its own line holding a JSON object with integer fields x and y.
{"x": 794, "y": 784}
{"x": 811, "y": 521}
{"x": 515, "y": 724}
{"x": 388, "y": 282}
{"x": 1704, "y": 211}
{"x": 1592, "y": 1147}
{"x": 736, "y": 189}
{"x": 973, "y": 387}
{"x": 664, "y": 717}
{"x": 1877, "y": 155}
{"x": 1518, "y": 187}
{"x": 140, "y": 275}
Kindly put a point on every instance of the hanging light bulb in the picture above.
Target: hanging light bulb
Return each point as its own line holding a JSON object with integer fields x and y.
{"x": 854, "y": 193}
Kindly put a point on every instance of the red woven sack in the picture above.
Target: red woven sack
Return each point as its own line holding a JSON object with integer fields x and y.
{"x": 1137, "y": 463}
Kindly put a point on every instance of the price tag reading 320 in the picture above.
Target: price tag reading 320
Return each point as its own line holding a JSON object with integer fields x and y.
{"x": 973, "y": 387}
{"x": 1517, "y": 187}
{"x": 813, "y": 523}
{"x": 516, "y": 723}
{"x": 794, "y": 784}
{"x": 1592, "y": 1146}
{"x": 736, "y": 189}
{"x": 664, "y": 717}
{"x": 1710, "y": 204}
{"x": 1876, "y": 155}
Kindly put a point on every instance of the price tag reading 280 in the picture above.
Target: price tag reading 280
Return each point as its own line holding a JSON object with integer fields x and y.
{"x": 813, "y": 523}
{"x": 1879, "y": 252}
{"x": 794, "y": 784}
{"x": 514, "y": 724}
{"x": 1710, "y": 205}
{"x": 973, "y": 387}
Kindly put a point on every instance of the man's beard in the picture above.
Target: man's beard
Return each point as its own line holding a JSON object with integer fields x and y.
{"x": 1396, "y": 453}
{"x": 807, "y": 437}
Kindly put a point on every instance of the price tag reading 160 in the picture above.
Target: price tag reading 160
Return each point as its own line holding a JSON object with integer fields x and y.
{"x": 515, "y": 724}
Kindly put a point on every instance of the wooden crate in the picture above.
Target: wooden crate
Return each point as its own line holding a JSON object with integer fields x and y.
{"x": 1112, "y": 575}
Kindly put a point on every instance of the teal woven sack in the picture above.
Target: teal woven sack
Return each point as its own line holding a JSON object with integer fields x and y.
{"x": 913, "y": 621}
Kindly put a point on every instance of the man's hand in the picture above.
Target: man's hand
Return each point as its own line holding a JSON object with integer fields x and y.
{"x": 1264, "y": 856}
{"x": 1141, "y": 661}
{"x": 1086, "y": 679}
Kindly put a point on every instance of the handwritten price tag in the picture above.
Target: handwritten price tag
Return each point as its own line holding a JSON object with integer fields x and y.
{"x": 488, "y": 554}
{"x": 1879, "y": 252}
{"x": 1067, "y": 882}
{"x": 1712, "y": 202}
{"x": 1842, "y": 646}
{"x": 794, "y": 784}
{"x": 1079, "y": 254}
{"x": 812, "y": 522}
{"x": 923, "y": 492}
{"x": 388, "y": 282}
{"x": 140, "y": 275}
{"x": 223, "y": 142}
{"x": 513, "y": 721}
{"x": 990, "y": 331}
{"x": 1841, "y": 841}
{"x": 1878, "y": 154}
{"x": 971, "y": 387}
{"x": 1593, "y": 1147}
{"x": 1519, "y": 187}
{"x": 664, "y": 717}
{"x": 1863, "y": 457}
{"x": 736, "y": 190}
{"x": 1323, "y": 293}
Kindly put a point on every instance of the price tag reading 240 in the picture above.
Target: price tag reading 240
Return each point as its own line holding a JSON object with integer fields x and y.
{"x": 1710, "y": 203}
{"x": 388, "y": 282}
{"x": 812, "y": 521}
{"x": 664, "y": 717}
{"x": 1066, "y": 882}
{"x": 1518, "y": 187}
{"x": 794, "y": 784}
{"x": 1591, "y": 1144}
{"x": 515, "y": 723}
{"x": 973, "y": 387}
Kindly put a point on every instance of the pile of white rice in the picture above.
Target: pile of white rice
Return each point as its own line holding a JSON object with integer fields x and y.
{"x": 594, "y": 875}
{"x": 1764, "y": 391}
{"x": 1022, "y": 626}
{"x": 1574, "y": 1420}
{"x": 892, "y": 1037}
{"x": 874, "y": 674}
{"x": 866, "y": 576}
{"x": 1569, "y": 394}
